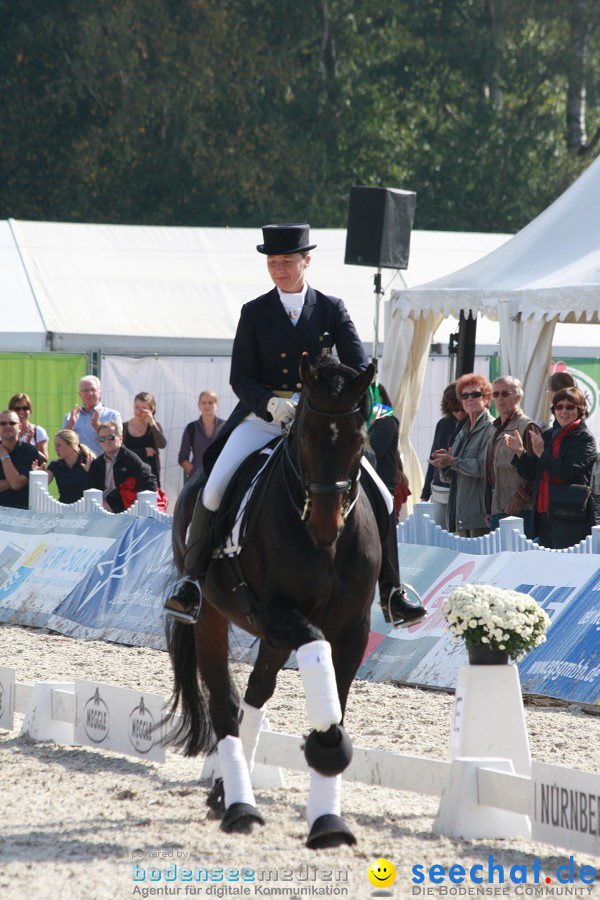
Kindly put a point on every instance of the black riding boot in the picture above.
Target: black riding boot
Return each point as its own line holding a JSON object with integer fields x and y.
{"x": 396, "y": 607}
{"x": 185, "y": 601}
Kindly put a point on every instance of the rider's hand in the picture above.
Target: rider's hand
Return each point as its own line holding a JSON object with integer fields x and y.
{"x": 281, "y": 410}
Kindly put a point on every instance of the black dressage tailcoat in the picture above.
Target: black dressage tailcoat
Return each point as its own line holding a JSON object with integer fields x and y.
{"x": 268, "y": 346}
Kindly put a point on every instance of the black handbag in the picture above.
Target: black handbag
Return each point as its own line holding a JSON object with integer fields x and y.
{"x": 568, "y": 501}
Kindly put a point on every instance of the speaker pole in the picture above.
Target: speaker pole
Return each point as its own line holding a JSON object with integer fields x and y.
{"x": 378, "y": 294}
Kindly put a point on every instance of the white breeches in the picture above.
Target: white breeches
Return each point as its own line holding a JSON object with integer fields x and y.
{"x": 250, "y": 435}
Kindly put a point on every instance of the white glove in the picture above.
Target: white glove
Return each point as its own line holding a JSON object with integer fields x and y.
{"x": 282, "y": 410}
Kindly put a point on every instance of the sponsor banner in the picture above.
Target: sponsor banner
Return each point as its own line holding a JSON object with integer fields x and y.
{"x": 565, "y": 586}
{"x": 38, "y": 571}
{"x": 119, "y": 719}
{"x": 568, "y": 667}
{"x": 120, "y": 598}
{"x": 565, "y": 809}
{"x": 7, "y": 697}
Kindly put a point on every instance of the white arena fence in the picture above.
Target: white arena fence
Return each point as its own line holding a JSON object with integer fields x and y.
{"x": 420, "y": 528}
{"x": 41, "y": 501}
{"x": 489, "y": 788}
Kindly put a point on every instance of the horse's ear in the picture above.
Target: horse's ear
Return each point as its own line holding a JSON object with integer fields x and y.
{"x": 308, "y": 374}
{"x": 364, "y": 379}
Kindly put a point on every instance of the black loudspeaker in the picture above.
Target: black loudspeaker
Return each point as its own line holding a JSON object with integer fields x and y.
{"x": 379, "y": 225}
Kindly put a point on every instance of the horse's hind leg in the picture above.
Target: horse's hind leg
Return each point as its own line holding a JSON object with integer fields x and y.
{"x": 211, "y": 653}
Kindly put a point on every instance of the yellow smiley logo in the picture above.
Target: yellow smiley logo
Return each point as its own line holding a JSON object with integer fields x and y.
{"x": 382, "y": 873}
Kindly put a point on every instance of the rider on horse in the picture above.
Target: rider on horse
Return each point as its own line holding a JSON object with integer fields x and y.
{"x": 273, "y": 332}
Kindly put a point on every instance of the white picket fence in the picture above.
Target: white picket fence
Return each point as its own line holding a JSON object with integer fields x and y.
{"x": 420, "y": 528}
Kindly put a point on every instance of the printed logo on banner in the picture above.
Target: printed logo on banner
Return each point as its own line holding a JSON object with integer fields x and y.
{"x": 96, "y": 718}
{"x": 141, "y": 728}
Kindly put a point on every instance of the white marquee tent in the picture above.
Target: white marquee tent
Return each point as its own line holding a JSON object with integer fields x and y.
{"x": 547, "y": 273}
{"x": 143, "y": 290}
{"x": 160, "y": 305}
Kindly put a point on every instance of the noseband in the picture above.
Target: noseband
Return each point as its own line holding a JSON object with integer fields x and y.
{"x": 332, "y": 487}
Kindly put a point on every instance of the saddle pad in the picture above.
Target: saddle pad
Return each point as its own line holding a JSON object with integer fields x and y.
{"x": 231, "y": 522}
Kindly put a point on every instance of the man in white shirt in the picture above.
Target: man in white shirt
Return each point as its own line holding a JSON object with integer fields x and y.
{"x": 85, "y": 419}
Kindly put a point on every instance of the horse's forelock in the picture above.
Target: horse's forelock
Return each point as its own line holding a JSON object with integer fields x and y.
{"x": 332, "y": 378}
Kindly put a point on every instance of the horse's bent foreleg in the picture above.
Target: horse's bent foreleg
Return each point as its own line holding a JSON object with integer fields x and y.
{"x": 261, "y": 686}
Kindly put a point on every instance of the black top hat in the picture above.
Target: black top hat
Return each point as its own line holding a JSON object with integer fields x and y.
{"x": 282, "y": 239}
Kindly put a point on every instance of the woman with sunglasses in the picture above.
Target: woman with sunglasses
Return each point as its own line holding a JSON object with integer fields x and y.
{"x": 118, "y": 472}
{"x": 511, "y": 494}
{"x": 462, "y": 466}
{"x": 563, "y": 455}
{"x": 28, "y": 432}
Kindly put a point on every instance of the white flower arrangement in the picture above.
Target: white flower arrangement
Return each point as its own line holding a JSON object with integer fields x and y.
{"x": 482, "y": 614}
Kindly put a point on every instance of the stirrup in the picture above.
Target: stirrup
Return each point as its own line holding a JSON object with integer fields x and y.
{"x": 401, "y": 611}
{"x": 185, "y": 602}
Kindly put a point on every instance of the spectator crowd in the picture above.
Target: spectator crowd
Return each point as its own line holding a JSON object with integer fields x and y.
{"x": 95, "y": 449}
{"x": 481, "y": 469}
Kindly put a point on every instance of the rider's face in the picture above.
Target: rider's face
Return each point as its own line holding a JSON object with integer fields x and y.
{"x": 288, "y": 271}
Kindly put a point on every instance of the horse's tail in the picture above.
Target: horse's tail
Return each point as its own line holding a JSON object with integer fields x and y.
{"x": 193, "y": 732}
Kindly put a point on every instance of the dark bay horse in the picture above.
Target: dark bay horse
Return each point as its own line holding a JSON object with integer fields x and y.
{"x": 308, "y": 565}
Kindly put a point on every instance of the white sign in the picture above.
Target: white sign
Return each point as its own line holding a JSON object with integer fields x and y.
{"x": 566, "y": 808}
{"x": 7, "y": 695}
{"x": 119, "y": 719}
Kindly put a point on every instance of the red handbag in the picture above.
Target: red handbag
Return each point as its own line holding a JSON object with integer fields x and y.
{"x": 128, "y": 494}
{"x": 401, "y": 494}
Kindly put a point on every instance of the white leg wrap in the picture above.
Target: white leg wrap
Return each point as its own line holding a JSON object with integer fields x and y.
{"x": 234, "y": 769}
{"x": 320, "y": 689}
{"x": 251, "y": 722}
{"x": 324, "y": 796}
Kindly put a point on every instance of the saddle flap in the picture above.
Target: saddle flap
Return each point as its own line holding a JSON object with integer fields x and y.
{"x": 241, "y": 495}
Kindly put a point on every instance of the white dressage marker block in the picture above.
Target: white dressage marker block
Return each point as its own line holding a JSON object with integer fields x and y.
{"x": 39, "y": 721}
{"x": 489, "y": 719}
{"x": 119, "y": 719}
{"x": 462, "y": 815}
{"x": 7, "y": 697}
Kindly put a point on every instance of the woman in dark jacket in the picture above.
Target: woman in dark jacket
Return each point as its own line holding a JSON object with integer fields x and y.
{"x": 445, "y": 431}
{"x": 565, "y": 455}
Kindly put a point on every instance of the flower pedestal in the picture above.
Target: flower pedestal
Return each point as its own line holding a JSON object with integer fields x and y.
{"x": 488, "y": 731}
{"x": 489, "y": 719}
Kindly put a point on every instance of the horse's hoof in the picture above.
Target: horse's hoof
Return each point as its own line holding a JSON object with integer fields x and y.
{"x": 241, "y": 817}
{"x": 328, "y": 760}
{"x": 329, "y": 831}
{"x": 216, "y": 798}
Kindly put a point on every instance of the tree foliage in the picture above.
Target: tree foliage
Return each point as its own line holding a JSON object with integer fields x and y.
{"x": 236, "y": 112}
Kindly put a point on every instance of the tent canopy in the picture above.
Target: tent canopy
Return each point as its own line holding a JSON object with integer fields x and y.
{"x": 549, "y": 270}
{"x": 140, "y": 290}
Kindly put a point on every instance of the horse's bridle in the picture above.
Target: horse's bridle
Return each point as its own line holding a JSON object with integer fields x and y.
{"x": 332, "y": 487}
